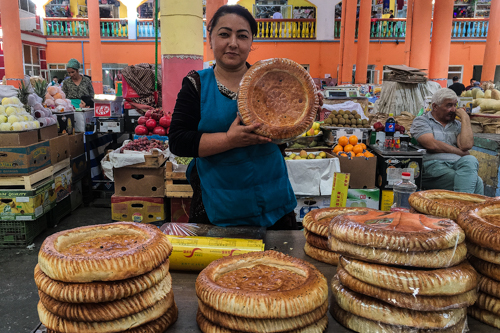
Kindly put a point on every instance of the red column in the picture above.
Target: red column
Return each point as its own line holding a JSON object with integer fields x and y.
{"x": 210, "y": 9}
{"x": 365, "y": 8}
{"x": 347, "y": 35}
{"x": 420, "y": 52}
{"x": 95, "y": 45}
{"x": 12, "y": 44}
{"x": 441, "y": 41}
{"x": 492, "y": 48}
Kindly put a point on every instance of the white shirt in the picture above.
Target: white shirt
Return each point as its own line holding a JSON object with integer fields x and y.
{"x": 277, "y": 15}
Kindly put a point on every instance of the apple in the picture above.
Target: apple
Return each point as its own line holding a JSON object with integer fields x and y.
{"x": 141, "y": 130}
{"x": 148, "y": 114}
{"x": 159, "y": 130}
{"x": 165, "y": 121}
{"x": 142, "y": 120}
{"x": 151, "y": 124}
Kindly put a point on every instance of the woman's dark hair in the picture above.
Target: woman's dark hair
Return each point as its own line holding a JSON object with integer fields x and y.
{"x": 233, "y": 9}
{"x": 88, "y": 101}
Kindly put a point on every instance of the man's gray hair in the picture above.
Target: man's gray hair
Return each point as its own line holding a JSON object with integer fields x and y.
{"x": 443, "y": 94}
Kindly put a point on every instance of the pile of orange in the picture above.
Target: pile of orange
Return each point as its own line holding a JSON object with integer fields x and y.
{"x": 349, "y": 147}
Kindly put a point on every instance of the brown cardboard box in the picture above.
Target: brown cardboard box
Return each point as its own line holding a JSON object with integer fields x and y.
{"x": 76, "y": 147}
{"x": 59, "y": 149}
{"x": 362, "y": 171}
{"x": 24, "y": 160}
{"x": 47, "y": 132}
{"x": 18, "y": 139}
{"x": 137, "y": 209}
{"x": 139, "y": 182}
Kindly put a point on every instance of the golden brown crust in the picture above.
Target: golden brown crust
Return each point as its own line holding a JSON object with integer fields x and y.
{"x": 360, "y": 324}
{"x": 437, "y": 282}
{"x": 59, "y": 324}
{"x": 318, "y": 220}
{"x": 108, "y": 311}
{"x": 484, "y": 316}
{"x": 397, "y": 231}
{"x": 407, "y": 301}
{"x": 488, "y": 303}
{"x": 317, "y": 241}
{"x": 486, "y": 268}
{"x": 489, "y": 286}
{"x": 136, "y": 260}
{"x": 303, "y": 298}
{"x": 482, "y": 253}
{"x": 159, "y": 325}
{"x": 482, "y": 225}
{"x": 428, "y": 259}
{"x": 261, "y": 325}
{"x": 326, "y": 256}
{"x": 279, "y": 94}
{"x": 376, "y": 310}
{"x": 98, "y": 292}
{"x": 427, "y": 202}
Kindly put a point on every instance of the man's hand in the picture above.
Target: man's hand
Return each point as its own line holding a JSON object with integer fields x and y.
{"x": 462, "y": 113}
{"x": 240, "y": 135}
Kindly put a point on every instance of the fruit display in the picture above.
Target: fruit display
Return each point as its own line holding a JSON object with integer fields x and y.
{"x": 349, "y": 147}
{"x": 379, "y": 127}
{"x": 314, "y": 130}
{"x": 153, "y": 122}
{"x": 13, "y": 116}
{"x": 183, "y": 160}
{"x": 344, "y": 118}
{"x": 55, "y": 99}
{"x": 144, "y": 144}
{"x": 303, "y": 155}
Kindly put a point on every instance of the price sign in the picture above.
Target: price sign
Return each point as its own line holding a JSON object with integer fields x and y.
{"x": 103, "y": 110}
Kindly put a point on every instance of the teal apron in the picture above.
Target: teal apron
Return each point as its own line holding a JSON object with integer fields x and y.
{"x": 242, "y": 186}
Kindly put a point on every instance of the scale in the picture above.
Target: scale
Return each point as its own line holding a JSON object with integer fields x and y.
{"x": 341, "y": 92}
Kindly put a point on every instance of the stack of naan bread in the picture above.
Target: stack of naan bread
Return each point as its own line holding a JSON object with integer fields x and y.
{"x": 261, "y": 292}
{"x": 400, "y": 272}
{"x": 316, "y": 224}
{"x": 106, "y": 278}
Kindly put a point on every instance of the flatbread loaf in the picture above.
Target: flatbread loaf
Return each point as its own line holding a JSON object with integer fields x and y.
{"x": 362, "y": 325}
{"x": 488, "y": 303}
{"x": 438, "y": 282}
{"x": 489, "y": 286}
{"x": 428, "y": 259}
{"x": 318, "y": 220}
{"x": 482, "y": 225}
{"x": 106, "y": 252}
{"x": 443, "y": 203}
{"x": 407, "y": 301}
{"x": 261, "y": 325}
{"x": 317, "y": 241}
{"x": 108, "y": 311}
{"x": 376, "y": 310}
{"x": 280, "y": 95}
{"x": 483, "y": 253}
{"x": 484, "y": 316}
{"x": 98, "y": 292}
{"x": 325, "y": 256}
{"x": 287, "y": 286}
{"x": 486, "y": 268}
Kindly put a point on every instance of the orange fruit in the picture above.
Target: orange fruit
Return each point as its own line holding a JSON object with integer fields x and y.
{"x": 363, "y": 145}
{"x": 348, "y": 148}
{"x": 360, "y": 155}
{"x": 368, "y": 154}
{"x": 358, "y": 149}
{"x": 353, "y": 140}
{"x": 342, "y": 154}
{"x": 338, "y": 148}
{"x": 343, "y": 141}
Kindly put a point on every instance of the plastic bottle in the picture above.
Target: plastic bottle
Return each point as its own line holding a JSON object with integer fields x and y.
{"x": 402, "y": 191}
{"x": 390, "y": 128}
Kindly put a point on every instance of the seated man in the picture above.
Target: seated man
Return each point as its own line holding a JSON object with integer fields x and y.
{"x": 447, "y": 163}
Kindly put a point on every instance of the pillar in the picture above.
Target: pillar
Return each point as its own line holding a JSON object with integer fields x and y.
{"x": 491, "y": 50}
{"x": 181, "y": 45}
{"x": 441, "y": 42}
{"x": 211, "y": 8}
{"x": 12, "y": 44}
{"x": 365, "y": 11}
{"x": 347, "y": 35}
{"x": 420, "y": 48}
{"x": 325, "y": 22}
{"x": 95, "y": 45}
{"x": 409, "y": 21}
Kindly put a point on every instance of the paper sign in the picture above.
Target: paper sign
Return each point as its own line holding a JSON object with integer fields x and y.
{"x": 339, "y": 189}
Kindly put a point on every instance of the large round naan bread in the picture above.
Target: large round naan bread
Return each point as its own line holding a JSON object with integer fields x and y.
{"x": 326, "y": 256}
{"x": 482, "y": 225}
{"x": 484, "y": 316}
{"x": 318, "y": 220}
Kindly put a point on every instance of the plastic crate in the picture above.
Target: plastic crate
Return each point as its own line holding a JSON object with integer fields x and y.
{"x": 21, "y": 233}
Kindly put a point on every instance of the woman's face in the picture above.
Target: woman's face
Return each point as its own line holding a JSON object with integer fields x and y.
{"x": 231, "y": 40}
{"x": 73, "y": 73}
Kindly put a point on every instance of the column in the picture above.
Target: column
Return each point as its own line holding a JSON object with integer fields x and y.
{"x": 409, "y": 21}
{"x": 492, "y": 48}
{"x": 211, "y": 8}
{"x": 365, "y": 11}
{"x": 441, "y": 42}
{"x": 347, "y": 35}
{"x": 420, "y": 48}
{"x": 95, "y": 45}
{"x": 181, "y": 46}
{"x": 325, "y": 18}
{"x": 12, "y": 44}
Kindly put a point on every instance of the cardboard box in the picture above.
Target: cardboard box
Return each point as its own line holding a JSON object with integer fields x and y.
{"x": 82, "y": 118}
{"x": 62, "y": 182}
{"x": 105, "y": 108}
{"x": 179, "y": 209}
{"x": 369, "y": 198}
{"x": 47, "y": 132}
{"x": 141, "y": 182}
{"x": 18, "y": 139}
{"x": 76, "y": 145}
{"x": 306, "y": 204}
{"x": 390, "y": 168}
{"x": 65, "y": 122}
{"x": 27, "y": 205}
{"x": 362, "y": 171}
{"x": 78, "y": 167}
{"x": 387, "y": 200}
{"x": 24, "y": 160}
{"x": 59, "y": 149}
{"x": 137, "y": 209}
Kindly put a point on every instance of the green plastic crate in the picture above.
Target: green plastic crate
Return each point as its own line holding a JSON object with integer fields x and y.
{"x": 21, "y": 233}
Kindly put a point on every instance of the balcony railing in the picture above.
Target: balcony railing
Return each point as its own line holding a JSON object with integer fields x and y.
{"x": 69, "y": 27}
{"x": 146, "y": 29}
{"x": 470, "y": 28}
{"x": 286, "y": 29}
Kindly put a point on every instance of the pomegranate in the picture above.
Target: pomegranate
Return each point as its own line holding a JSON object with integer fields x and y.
{"x": 151, "y": 124}
{"x": 141, "y": 130}
{"x": 142, "y": 120}
{"x": 148, "y": 114}
{"x": 156, "y": 116}
{"x": 159, "y": 130}
{"x": 165, "y": 121}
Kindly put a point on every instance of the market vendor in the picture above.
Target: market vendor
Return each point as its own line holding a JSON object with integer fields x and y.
{"x": 447, "y": 163}
{"x": 238, "y": 177}
{"x": 76, "y": 85}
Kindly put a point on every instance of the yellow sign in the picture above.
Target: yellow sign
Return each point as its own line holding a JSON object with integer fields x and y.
{"x": 339, "y": 189}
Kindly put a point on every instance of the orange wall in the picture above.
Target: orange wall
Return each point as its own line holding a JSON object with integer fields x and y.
{"x": 322, "y": 57}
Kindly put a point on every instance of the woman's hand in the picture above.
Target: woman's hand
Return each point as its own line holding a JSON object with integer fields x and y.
{"x": 240, "y": 135}
{"x": 320, "y": 98}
